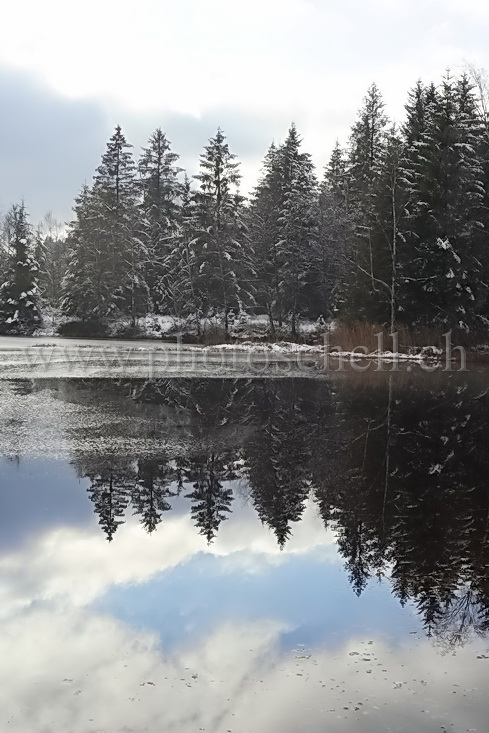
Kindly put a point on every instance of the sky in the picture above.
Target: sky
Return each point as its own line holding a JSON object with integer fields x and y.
{"x": 70, "y": 72}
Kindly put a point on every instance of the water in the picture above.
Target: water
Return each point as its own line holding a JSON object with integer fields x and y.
{"x": 238, "y": 555}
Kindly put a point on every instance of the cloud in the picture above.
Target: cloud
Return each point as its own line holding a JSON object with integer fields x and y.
{"x": 83, "y": 672}
{"x": 77, "y": 564}
{"x": 49, "y": 145}
{"x": 69, "y": 75}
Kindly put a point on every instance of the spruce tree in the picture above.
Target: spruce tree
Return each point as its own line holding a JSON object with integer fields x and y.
{"x": 184, "y": 294}
{"x": 284, "y": 220}
{"x": 362, "y": 293}
{"x": 106, "y": 253}
{"x": 220, "y": 230}
{"x": 334, "y": 231}
{"x": 262, "y": 220}
{"x": 442, "y": 260}
{"x": 297, "y": 224}
{"x": 51, "y": 256}
{"x": 84, "y": 290}
{"x": 159, "y": 214}
{"x": 19, "y": 295}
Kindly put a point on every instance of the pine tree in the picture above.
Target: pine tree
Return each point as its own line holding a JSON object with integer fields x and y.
{"x": 160, "y": 209}
{"x": 85, "y": 293}
{"x": 334, "y": 231}
{"x": 284, "y": 219}
{"x": 262, "y": 223}
{"x": 220, "y": 230}
{"x": 183, "y": 285}
{"x": 390, "y": 205}
{"x": 4, "y": 250}
{"x": 362, "y": 294}
{"x": 51, "y": 256}
{"x": 19, "y": 295}
{"x": 443, "y": 274}
{"x": 123, "y": 254}
{"x": 297, "y": 224}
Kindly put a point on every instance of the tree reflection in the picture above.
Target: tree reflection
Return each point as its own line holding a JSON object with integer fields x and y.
{"x": 397, "y": 465}
{"x": 151, "y": 491}
{"x": 211, "y": 501}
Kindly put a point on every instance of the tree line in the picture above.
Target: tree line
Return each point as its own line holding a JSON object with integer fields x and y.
{"x": 395, "y": 232}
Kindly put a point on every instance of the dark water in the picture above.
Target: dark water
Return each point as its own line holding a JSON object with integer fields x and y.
{"x": 232, "y": 555}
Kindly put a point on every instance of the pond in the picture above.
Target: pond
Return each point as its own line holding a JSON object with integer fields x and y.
{"x": 263, "y": 555}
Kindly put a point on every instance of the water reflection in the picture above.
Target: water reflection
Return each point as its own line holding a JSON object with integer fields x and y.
{"x": 397, "y": 466}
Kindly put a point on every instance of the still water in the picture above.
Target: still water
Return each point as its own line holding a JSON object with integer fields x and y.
{"x": 220, "y": 555}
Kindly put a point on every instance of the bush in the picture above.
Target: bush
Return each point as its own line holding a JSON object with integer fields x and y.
{"x": 128, "y": 331}
{"x": 214, "y": 336}
{"x": 84, "y": 329}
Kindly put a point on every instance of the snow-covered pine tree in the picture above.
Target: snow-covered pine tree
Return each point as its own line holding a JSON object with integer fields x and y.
{"x": 262, "y": 222}
{"x": 298, "y": 220}
{"x": 362, "y": 294}
{"x": 19, "y": 295}
{"x": 51, "y": 256}
{"x": 442, "y": 261}
{"x": 222, "y": 242}
{"x": 4, "y": 250}
{"x": 161, "y": 191}
{"x": 122, "y": 253}
{"x": 183, "y": 292}
{"x": 283, "y": 222}
{"x": 84, "y": 290}
{"x": 334, "y": 229}
{"x": 106, "y": 257}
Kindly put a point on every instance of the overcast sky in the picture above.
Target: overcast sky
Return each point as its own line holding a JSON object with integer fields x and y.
{"x": 69, "y": 72}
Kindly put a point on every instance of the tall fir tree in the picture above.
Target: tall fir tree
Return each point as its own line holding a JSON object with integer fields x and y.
{"x": 284, "y": 221}
{"x": 159, "y": 214}
{"x": 262, "y": 220}
{"x": 50, "y": 253}
{"x": 19, "y": 294}
{"x": 362, "y": 294}
{"x": 297, "y": 225}
{"x": 445, "y": 240}
{"x": 84, "y": 290}
{"x": 184, "y": 294}
{"x": 334, "y": 232}
{"x": 123, "y": 254}
{"x": 220, "y": 230}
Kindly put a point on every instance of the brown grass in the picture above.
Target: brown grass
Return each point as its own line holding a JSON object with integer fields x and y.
{"x": 349, "y": 335}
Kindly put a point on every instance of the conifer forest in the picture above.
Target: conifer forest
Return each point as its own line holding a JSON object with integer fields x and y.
{"x": 394, "y": 231}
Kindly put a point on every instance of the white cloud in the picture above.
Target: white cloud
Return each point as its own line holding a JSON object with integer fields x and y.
{"x": 299, "y": 57}
{"x": 77, "y": 565}
{"x": 309, "y": 61}
{"x": 66, "y": 670}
